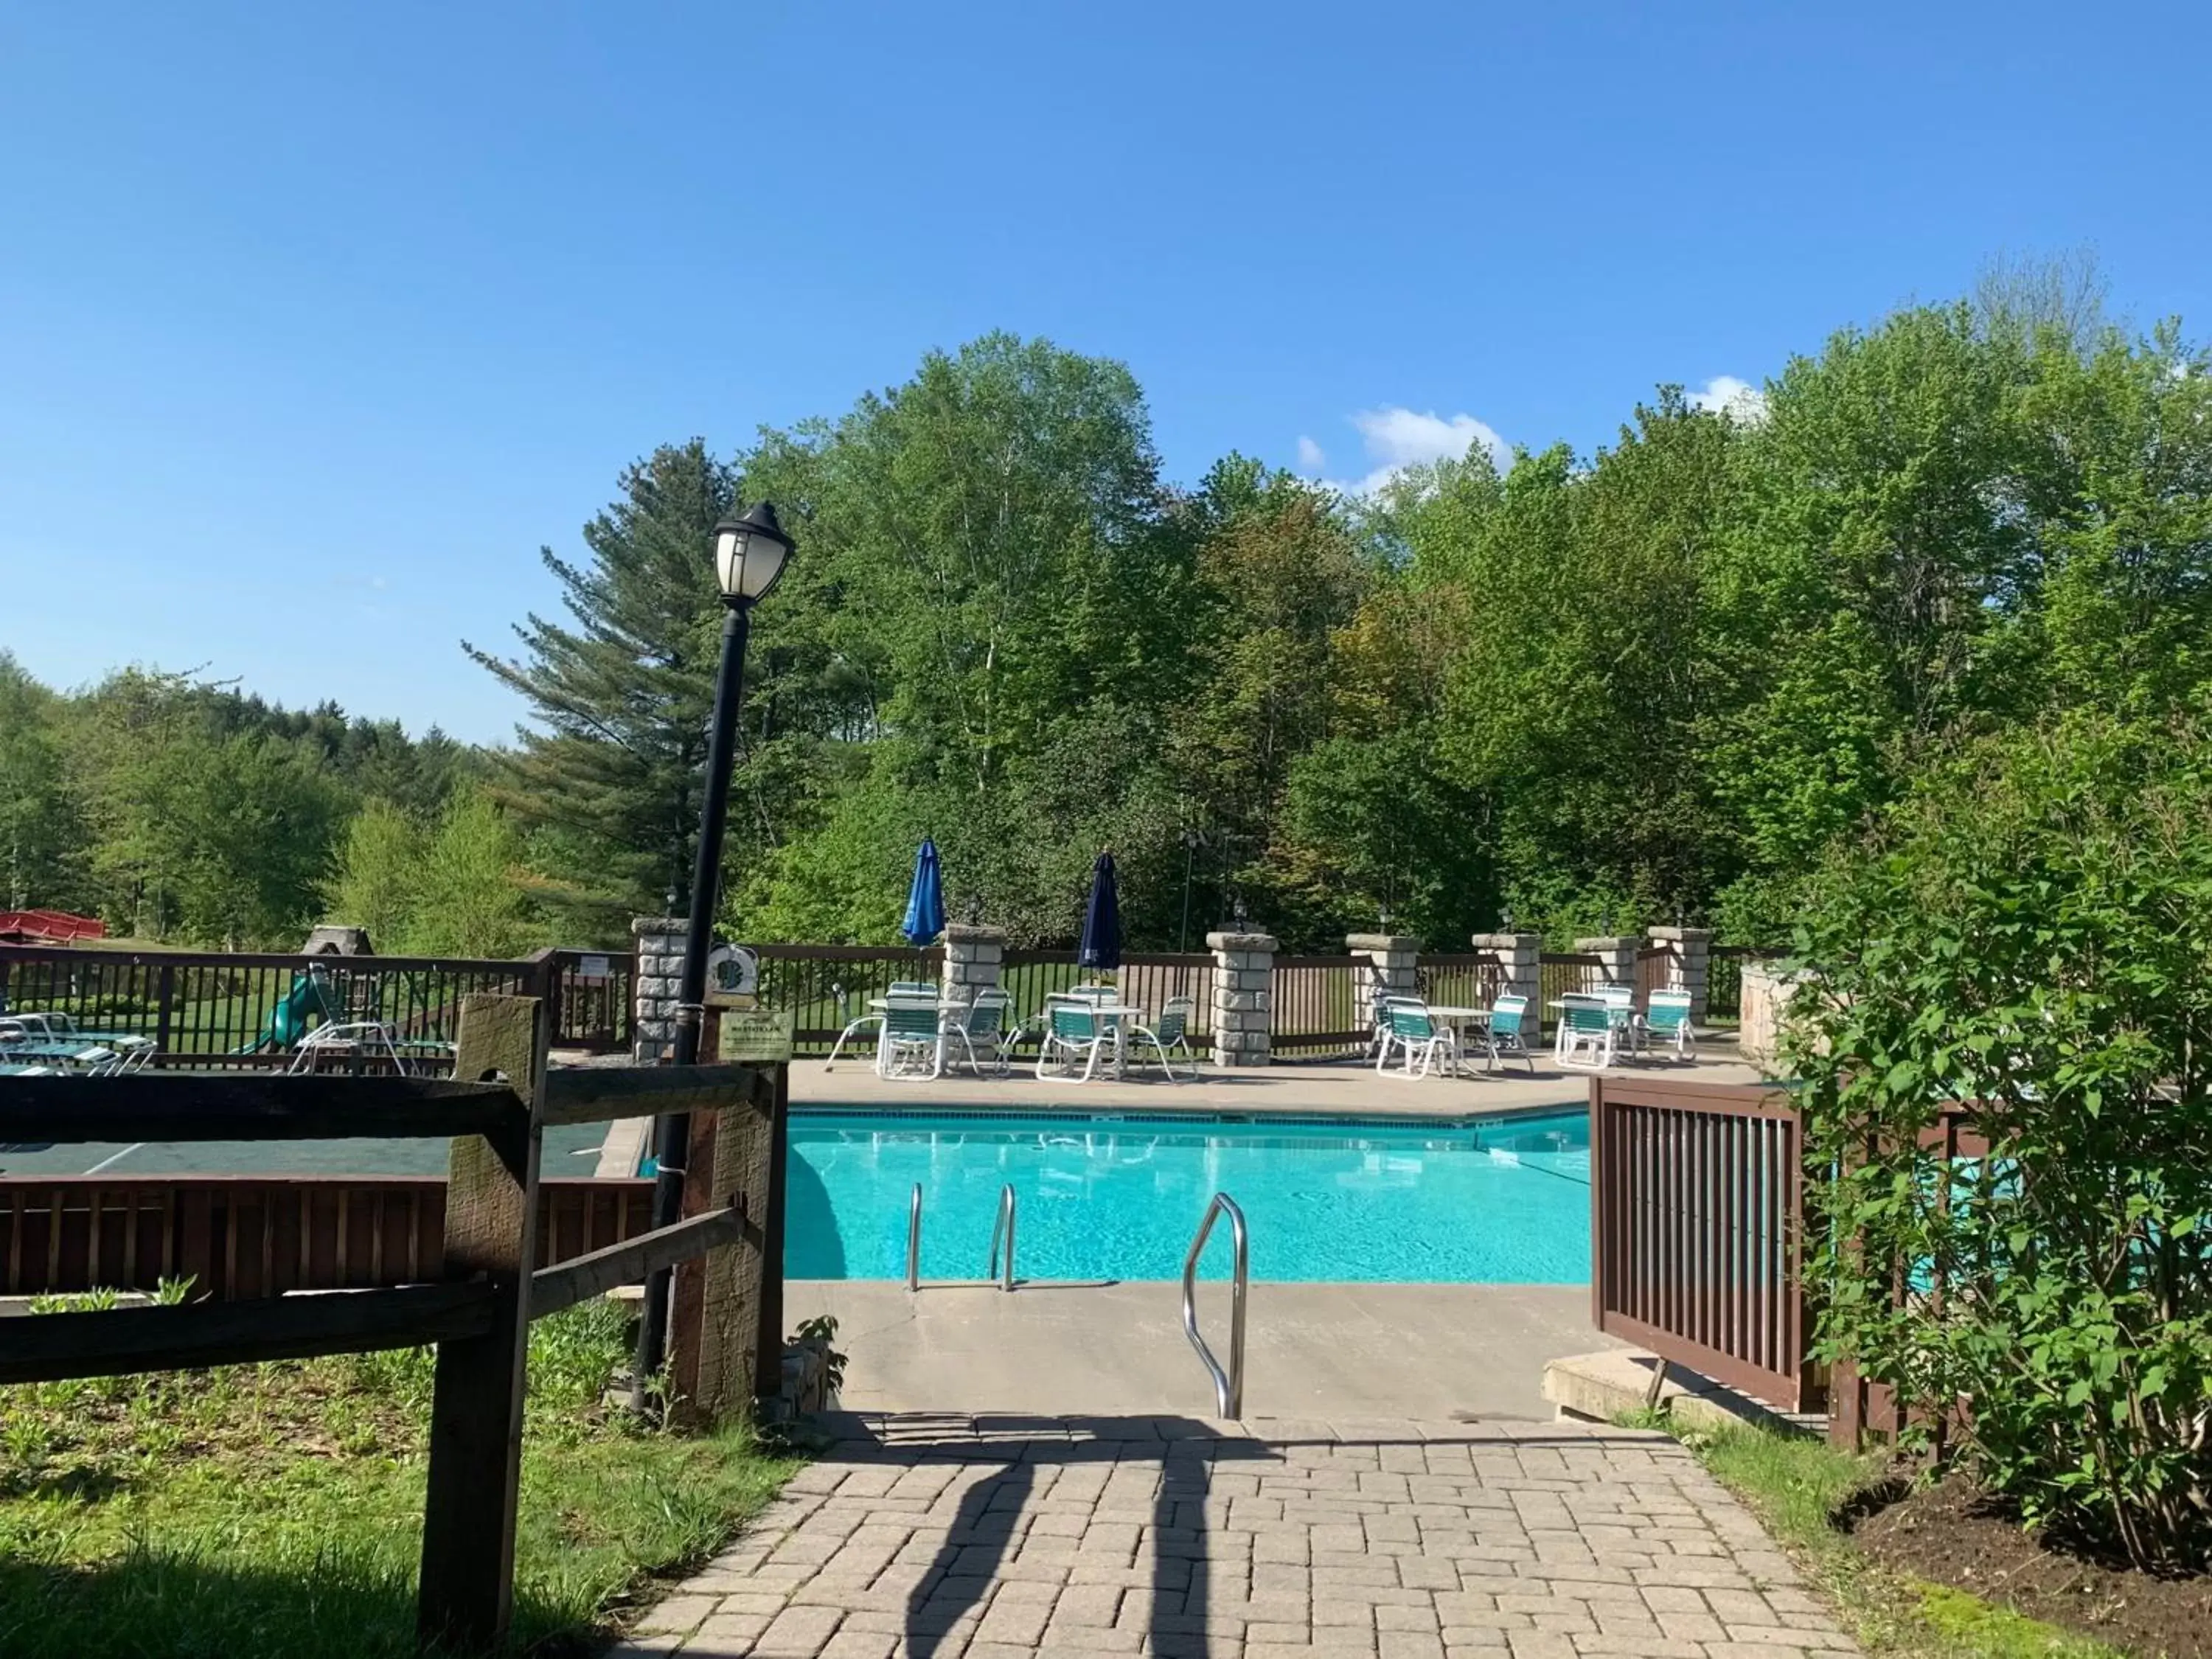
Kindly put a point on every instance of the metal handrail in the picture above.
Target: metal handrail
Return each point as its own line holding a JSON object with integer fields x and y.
{"x": 913, "y": 1239}
{"x": 1228, "y": 1385}
{"x": 1004, "y": 1225}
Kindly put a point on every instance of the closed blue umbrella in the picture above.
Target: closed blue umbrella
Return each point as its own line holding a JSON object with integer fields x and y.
{"x": 925, "y": 899}
{"x": 1102, "y": 919}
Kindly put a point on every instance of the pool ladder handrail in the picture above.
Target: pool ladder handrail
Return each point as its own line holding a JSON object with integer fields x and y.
{"x": 914, "y": 1239}
{"x": 1003, "y": 1226}
{"x": 1228, "y": 1385}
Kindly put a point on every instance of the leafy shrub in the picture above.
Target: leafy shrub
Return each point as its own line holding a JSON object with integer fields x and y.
{"x": 2028, "y": 943}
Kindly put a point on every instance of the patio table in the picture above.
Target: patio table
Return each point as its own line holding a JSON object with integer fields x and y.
{"x": 883, "y": 1006}
{"x": 1120, "y": 1015}
{"x": 1459, "y": 1020}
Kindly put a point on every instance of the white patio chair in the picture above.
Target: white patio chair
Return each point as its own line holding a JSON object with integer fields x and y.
{"x": 914, "y": 1031}
{"x": 1668, "y": 1021}
{"x": 1071, "y": 1028}
{"x": 1585, "y": 1022}
{"x": 367, "y": 1035}
{"x": 987, "y": 1019}
{"x": 1170, "y": 1030}
{"x": 1424, "y": 1038}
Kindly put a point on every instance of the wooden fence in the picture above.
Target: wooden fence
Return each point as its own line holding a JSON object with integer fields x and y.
{"x": 211, "y": 1011}
{"x": 478, "y": 1308}
{"x": 238, "y": 1237}
{"x": 1317, "y": 1010}
{"x": 1860, "y": 1409}
{"x": 1696, "y": 1231}
{"x": 1470, "y": 981}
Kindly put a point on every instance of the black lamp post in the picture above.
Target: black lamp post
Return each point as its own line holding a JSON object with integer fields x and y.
{"x": 749, "y": 559}
{"x": 1191, "y": 841}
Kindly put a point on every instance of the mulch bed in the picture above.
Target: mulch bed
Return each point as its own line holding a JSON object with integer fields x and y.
{"x": 1953, "y": 1533}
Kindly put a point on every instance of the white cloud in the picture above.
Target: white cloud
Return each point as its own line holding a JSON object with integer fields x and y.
{"x": 1725, "y": 394}
{"x": 1397, "y": 438}
{"x": 1311, "y": 457}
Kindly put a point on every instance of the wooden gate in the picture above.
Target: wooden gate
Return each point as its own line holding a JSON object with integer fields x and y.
{"x": 1696, "y": 1222}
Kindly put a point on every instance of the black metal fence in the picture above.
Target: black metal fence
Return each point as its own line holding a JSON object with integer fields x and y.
{"x": 233, "y": 1011}
{"x": 1724, "y": 978}
{"x": 828, "y": 986}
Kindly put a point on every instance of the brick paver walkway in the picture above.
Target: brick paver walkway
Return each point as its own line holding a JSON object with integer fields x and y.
{"x": 952, "y": 1538}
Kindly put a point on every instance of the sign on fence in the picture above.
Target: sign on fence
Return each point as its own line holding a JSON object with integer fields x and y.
{"x": 732, "y": 977}
{"x": 757, "y": 1037}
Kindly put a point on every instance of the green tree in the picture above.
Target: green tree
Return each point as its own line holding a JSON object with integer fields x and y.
{"x": 378, "y": 880}
{"x": 621, "y": 692}
{"x": 41, "y": 829}
{"x": 470, "y": 901}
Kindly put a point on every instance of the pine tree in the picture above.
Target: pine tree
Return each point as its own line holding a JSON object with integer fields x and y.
{"x": 623, "y": 692}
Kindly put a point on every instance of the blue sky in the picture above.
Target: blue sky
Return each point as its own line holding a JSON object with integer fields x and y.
{"x": 316, "y": 321}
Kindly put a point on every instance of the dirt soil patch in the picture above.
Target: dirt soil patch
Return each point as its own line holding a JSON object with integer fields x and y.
{"x": 1953, "y": 1534}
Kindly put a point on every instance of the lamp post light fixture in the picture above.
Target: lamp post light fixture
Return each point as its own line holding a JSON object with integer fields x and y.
{"x": 749, "y": 554}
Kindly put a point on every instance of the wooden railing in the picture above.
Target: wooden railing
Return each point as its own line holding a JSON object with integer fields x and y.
{"x": 1317, "y": 1010}
{"x": 1473, "y": 980}
{"x": 1560, "y": 972}
{"x": 478, "y": 1308}
{"x": 1860, "y": 1409}
{"x": 1696, "y": 1231}
{"x": 235, "y": 1236}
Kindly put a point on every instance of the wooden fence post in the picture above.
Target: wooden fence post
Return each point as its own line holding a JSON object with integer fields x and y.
{"x": 475, "y": 1418}
{"x": 165, "y": 997}
{"x": 714, "y": 1330}
{"x": 767, "y": 1369}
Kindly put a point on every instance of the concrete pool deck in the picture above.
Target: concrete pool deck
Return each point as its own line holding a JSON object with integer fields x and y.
{"x": 1434, "y": 1351}
{"x": 1342, "y": 1089}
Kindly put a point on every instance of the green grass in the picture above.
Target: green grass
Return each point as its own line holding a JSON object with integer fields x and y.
{"x": 1797, "y": 1484}
{"x": 278, "y": 1510}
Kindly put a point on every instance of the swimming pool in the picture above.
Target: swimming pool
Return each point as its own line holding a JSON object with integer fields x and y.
{"x": 1491, "y": 1201}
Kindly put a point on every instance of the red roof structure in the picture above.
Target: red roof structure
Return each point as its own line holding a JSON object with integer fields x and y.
{"x": 49, "y": 926}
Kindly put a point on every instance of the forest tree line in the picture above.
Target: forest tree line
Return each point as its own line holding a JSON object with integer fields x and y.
{"x": 1661, "y": 682}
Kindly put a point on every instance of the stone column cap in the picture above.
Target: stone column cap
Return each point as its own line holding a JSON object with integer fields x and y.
{"x": 1242, "y": 941}
{"x": 1609, "y": 942}
{"x": 1392, "y": 942}
{"x": 1506, "y": 941}
{"x": 1683, "y": 935}
{"x": 641, "y": 925}
{"x": 973, "y": 932}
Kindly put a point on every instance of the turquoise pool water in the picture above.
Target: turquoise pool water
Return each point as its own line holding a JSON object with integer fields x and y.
{"x": 1497, "y": 1200}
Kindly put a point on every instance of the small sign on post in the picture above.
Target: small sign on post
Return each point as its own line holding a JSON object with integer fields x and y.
{"x": 595, "y": 968}
{"x": 732, "y": 977}
{"x": 757, "y": 1037}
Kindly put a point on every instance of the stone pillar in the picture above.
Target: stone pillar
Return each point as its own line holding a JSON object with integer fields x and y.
{"x": 1243, "y": 997}
{"x": 660, "y": 970}
{"x": 1521, "y": 955}
{"x": 1618, "y": 952}
{"x": 1388, "y": 965}
{"x": 1687, "y": 969}
{"x": 972, "y": 957}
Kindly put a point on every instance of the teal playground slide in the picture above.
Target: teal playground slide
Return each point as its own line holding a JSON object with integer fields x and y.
{"x": 291, "y": 1018}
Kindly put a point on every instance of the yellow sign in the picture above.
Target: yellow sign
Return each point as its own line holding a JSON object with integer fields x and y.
{"x": 757, "y": 1037}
